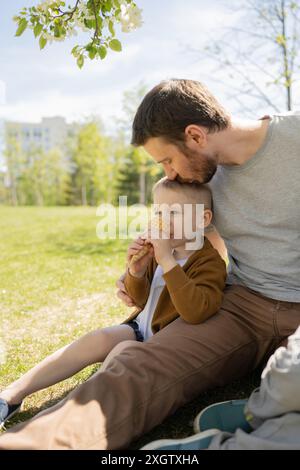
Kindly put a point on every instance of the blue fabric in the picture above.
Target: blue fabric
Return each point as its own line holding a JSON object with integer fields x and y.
{"x": 134, "y": 325}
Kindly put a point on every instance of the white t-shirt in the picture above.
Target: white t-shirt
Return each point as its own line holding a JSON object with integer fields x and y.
{"x": 144, "y": 318}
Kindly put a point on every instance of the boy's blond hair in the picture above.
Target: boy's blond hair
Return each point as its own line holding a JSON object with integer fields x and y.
{"x": 199, "y": 193}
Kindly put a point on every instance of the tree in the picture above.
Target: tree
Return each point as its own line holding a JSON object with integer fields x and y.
{"x": 57, "y": 178}
{"x": 3, "y": 192}
{"x": 37, "y": 180}
{"x": 128, "y": 179}
{"x": 92, "y": 162}
{"x": 51, "y": 21}
{"x": 260, "y": 60}
{"x": 136, "y": 176}
{"x": 138, "y": 172}
{"x": 13, "y": 161}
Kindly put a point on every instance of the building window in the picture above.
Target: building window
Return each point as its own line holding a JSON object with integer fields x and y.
{"x": 26, "y": 133}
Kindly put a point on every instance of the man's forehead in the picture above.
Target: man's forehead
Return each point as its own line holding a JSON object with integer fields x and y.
{"x": 157, "y": 147}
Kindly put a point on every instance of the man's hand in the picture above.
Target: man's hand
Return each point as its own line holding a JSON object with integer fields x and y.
{"x": 122, "y": 294}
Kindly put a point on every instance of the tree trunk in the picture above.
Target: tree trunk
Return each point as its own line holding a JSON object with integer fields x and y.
{"x": 83, "y": 195}
{"x": 287, "y": 71}
{"x": 13, "y": 193}
{"x": 142, "y": 186}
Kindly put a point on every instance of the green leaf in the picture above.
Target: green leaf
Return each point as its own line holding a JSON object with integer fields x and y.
{"x": 80, "y": 61}
{"x": 42, "y": 42}
{"x": 90, "y": 23}
{"x": 115, "y": 45}
{"x": 57, "y": 31}
{"x": 102, "y": 51}
{"x": 92, "y": 52}
{"x": 37, "y": 29}
{"x": 107, "y": 6}
{"x": 21, "y": 27}
{"x": 111, "y": 28}
{"x": 74, "y": 50}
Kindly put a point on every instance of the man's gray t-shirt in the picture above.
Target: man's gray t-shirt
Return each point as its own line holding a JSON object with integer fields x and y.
{"x": 257, "y": 213}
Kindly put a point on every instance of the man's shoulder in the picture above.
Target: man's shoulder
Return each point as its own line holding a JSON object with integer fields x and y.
{"x": 286, "y": 126}
{"x": 289, "y": 118}
{"x": 295, "y": 112}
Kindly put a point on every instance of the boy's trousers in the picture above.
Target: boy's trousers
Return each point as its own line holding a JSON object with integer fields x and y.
{"x": 273, "y": 410}
{"x": 143, "y": 383}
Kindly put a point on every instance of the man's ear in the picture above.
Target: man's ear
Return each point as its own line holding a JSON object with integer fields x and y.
{"x": 195, "y": 135}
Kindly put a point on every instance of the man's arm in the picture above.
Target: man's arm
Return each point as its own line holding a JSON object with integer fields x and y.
{"x": 217, "y": 242}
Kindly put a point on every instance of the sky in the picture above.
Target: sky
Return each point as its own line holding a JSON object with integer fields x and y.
{"x": 36, "y": 83}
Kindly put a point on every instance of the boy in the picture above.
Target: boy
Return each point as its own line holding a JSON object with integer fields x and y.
{"x": 169, "y": 281}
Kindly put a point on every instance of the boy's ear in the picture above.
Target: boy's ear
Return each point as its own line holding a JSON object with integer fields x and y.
{"x": 207, "y": 217}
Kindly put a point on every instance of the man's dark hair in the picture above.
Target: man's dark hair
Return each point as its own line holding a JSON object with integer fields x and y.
{"x": 171, "y": 106}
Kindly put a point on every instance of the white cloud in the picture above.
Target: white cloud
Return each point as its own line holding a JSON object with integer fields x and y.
{"x": 50, "y": 82}
{"x": 72, "y": 107}
{"x": 97, "y": 68}
{"x": 73, "y": 93}
{"x": 194, "y": 20}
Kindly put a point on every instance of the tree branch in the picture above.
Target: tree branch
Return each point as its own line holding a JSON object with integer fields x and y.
{"x": 96, "y": 33}
{"x": 69, "y": 12}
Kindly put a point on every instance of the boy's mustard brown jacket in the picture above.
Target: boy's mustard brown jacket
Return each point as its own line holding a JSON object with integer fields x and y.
{"x": 194, "y": 291}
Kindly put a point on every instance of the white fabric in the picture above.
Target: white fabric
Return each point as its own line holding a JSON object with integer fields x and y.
{"x": 144, "y": 318}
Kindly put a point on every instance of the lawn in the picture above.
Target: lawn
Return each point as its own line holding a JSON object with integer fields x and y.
{"x": 57, "y": 282}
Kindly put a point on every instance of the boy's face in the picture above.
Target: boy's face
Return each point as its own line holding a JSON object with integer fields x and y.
{"x": 183, "y": 219}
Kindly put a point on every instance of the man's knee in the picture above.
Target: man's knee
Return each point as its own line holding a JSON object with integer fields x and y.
{"x": 118, "y": 349}
{"x": 124, "y": 345}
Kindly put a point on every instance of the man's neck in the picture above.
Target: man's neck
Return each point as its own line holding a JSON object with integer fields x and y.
{"x": 238, "y": 143}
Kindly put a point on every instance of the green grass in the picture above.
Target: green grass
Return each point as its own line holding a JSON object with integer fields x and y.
{"x": 57, "y": 282}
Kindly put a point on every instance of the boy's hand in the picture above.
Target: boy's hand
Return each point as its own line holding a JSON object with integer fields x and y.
{"x": 138, "y": 268}
{"x": 162, "y": 251}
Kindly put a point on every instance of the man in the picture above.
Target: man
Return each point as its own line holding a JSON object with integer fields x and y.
{"x": 256, "y": 169}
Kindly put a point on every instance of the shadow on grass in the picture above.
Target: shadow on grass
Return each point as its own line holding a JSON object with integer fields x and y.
{"x": 34, "y": 410}
{"x": 180, "y": 424}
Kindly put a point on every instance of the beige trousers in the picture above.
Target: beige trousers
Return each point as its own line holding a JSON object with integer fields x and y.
{"x": 146, "y": 382}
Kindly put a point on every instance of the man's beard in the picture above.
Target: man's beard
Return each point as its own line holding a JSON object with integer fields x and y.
{"x": 202, "y": 168}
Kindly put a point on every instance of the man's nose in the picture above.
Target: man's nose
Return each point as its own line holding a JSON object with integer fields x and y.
{"x": 170, "y": 173}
